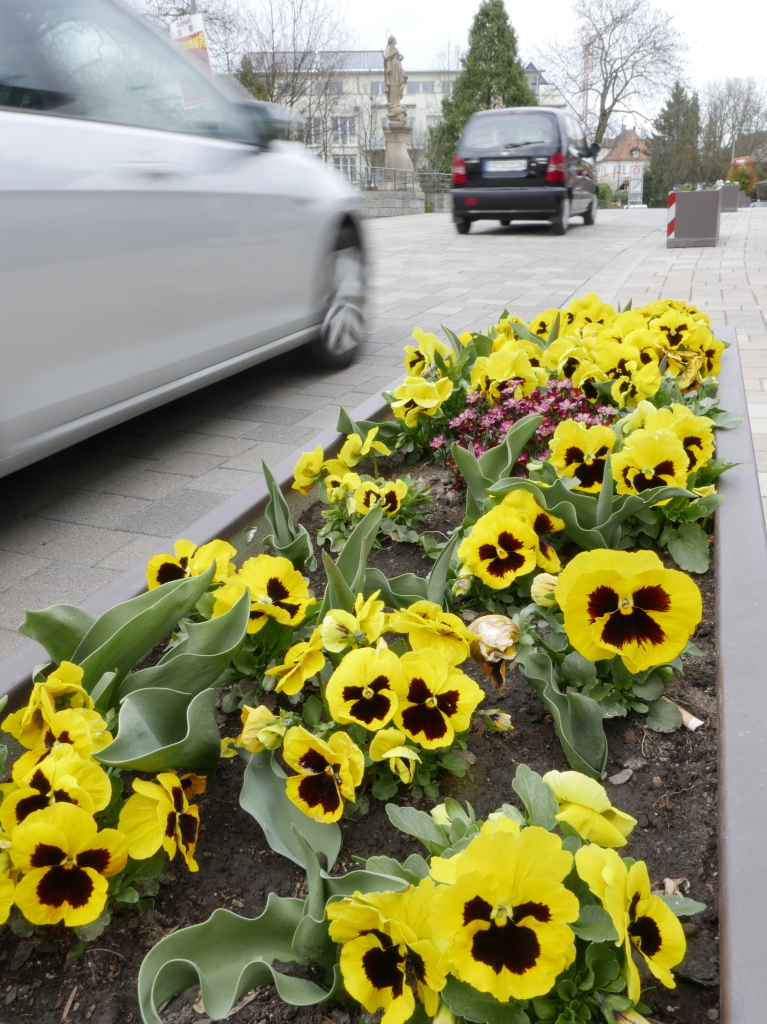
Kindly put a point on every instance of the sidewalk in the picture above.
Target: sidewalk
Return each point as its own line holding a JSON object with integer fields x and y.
{"x": 73, "y": 522}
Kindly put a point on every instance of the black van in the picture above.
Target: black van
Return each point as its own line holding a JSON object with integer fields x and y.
{"x": 524, "y": 163}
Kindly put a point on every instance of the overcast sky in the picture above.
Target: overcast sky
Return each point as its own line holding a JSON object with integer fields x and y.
{"x": 725, "y": 40}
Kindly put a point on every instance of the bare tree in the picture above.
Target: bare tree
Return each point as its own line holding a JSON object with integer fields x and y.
{"x": 225, "y": 26}
{"x": 734, "y": 122}
{"x": 626, "y": 53}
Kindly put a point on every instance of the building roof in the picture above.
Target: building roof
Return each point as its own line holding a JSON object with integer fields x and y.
{"x": 620, "y": 148}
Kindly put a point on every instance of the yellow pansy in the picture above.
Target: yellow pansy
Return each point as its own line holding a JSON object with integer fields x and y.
{"x": 308, "y": 470}
{"x": 428, "y": 626}
{"x": 390, "y": 745}
{"x": 417, "y": 397}
{"x": 579, "y": 452}
{"x": 499, "y": 548}
{"x": 189, "y": 560}
{"x": 365, "y": 687}
{"x": 159, "y": 815}
{"x": 650, "y": 459}
{"x": 437, "y": 700}
{"x": 585, "y": 805}
{"x": 302, "y": 661}
{"x": 277, "y": 591}
{"x": 327, "y": 772}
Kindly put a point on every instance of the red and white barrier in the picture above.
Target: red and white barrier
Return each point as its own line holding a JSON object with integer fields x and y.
{"x": 671, "y": 217}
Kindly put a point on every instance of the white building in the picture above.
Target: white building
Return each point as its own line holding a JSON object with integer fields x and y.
{"x": 345, "y": 106}
{"x": 619, "y": 158}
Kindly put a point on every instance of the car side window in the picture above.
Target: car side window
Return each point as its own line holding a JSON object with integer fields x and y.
{"x": 90, "y": 59}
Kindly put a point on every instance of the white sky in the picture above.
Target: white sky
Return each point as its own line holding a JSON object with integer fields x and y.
{"x": 725, "y": 40}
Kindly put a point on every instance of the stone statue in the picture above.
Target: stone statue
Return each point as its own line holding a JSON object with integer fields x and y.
{"x": 395, "y": 81}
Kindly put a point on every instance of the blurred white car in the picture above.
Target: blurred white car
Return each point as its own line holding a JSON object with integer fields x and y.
{"x": 154, "y": 235}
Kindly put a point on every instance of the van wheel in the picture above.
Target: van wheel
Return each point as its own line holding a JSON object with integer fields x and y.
{"x": 463, "y": 227}
{"x": 344, "y": 296}
{"x": 590, "y": 215}
{"x": 505, "y": 221}
{"x": 561, "y": 224}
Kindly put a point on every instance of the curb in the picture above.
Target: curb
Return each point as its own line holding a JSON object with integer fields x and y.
{"x": 226, "y": 519}
{"x": 741, "y": 573}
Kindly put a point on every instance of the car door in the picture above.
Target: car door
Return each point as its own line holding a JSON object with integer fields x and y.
{"x": 144, "y": 236}
{"x": 578, "y": 167}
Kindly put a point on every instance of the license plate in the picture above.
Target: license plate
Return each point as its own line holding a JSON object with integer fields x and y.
{"x": 504, "y": 166}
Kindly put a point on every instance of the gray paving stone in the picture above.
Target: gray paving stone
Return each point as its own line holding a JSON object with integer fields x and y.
{"x": 15, "y": 567}
{"x": 267, "y": 414}
{"x": 224, "y": 481}
{"x": 83, "y": 545}
{"x": 25, "y": 533}
{"x": 140, "y": 549}
{"x": 169, "y": 516}
{"x": 58, "y": 583}
{"x": 106, "y": 510}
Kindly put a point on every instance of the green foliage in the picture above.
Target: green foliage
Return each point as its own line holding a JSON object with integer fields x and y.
{"x": 285, "y": 539}
{"x": 674, "y": 145}
{"x": 340, "y": 521}
{"x": 248, "y": 77}
{"x": 162, "y": 728}
{"x": 492, "y": 75}
{"x": 481, "y": 1007}
{"x": 541, "y": 806}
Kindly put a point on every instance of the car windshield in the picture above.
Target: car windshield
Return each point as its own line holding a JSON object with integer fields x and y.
{"x": 511, "y": 131}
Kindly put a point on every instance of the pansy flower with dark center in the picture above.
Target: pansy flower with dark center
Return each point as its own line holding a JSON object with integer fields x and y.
{"x": 438, "y": 699}
{"x": 627, "y": 603}
{"x": 66, "y": 863}
{"x": 643, "y": 922}
{"x": 674, "y": 328}
{"x": 499, "y": 548}
{"x": 428, "y": 626}
{"x": 417, "y": 397}
{"x": 78, "y": 729}
{"x": 159, "y": 815}
{"x": 388, "y": 945}
{"x": 543, "y": 524}
{"x": 579, "y": 452}
{"x": 393, "y": 493}
{"x": 63, "y": 776}
{"x": 365, "y": 497}
{"x": 327, "y": 772}
{"x": 62, "y": 688}
{"x": 277, "y": 591}
{"x": 189, "y": 560}
{"x": 695, "y": 432}
{"x": 365, "y": 687}
{"x": 503, "y": 922}
{"x": 650, "y": 459}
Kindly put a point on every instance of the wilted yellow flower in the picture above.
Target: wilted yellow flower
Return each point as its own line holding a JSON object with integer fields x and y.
{"x": 308, "y": 470}
{"x": 261, "y": 729}
{"x": 301, "y": 662}
{"x": 584, "y": 804}
{"x": 495, "y": 646}
{"x": 341, "y": 629}
{"x": 428, "y": 626}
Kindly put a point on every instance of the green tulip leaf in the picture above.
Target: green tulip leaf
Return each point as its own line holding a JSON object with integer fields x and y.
{"x": 481, "y": 1007}
{"x": 435, "y": 590}
{"x": 338, "y": 594}
{"x": 399, "y": 592}
{"x": 117, "y": 640}
{"x": 348, "y": 574}
{"x": 577, "y": 719}
{"x": 263, "y": 796}
{"x": 286, "y": 540}
{"x": 162, "y": 728}
{"x": 59, "y": 629}
{"x": 228, "y": 955}
{"x": 537, "y": 796}
{"x": 198, "y": 660}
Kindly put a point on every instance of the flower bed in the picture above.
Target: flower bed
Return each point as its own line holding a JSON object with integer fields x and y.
{"x": 361, "y": 721}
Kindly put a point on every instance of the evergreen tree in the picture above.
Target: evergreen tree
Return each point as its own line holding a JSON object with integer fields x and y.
{"x": 674, "y": 146}
{"x": 248, "y": 76}
{"x": 492, "y": 76}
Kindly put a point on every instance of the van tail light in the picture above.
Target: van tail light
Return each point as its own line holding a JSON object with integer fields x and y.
{"x": 459, "y": 171}
{"x": 555, "y": 170}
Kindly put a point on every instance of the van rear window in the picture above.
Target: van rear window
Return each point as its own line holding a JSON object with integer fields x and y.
{"x": 510, "y": 130}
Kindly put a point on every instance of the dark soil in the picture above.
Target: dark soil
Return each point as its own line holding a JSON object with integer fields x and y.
{"x": 672, "y": 793}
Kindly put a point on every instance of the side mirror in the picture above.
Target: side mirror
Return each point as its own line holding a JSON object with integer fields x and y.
{"x": 594, "y": 148}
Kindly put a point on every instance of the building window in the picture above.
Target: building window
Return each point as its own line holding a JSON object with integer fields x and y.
{"x": 344, "y": 131}
{"x": 413, "y": 88}
{"x": 635, "y": 154}
{"x": 312, "y": 131}
{"x": 328, "y": 89}
{"x": 384, "y": 122}
{"x": 447, "y": 88}
{"x": 377, "y": 89}
{"x": 432, "y": 120}
{"x": 346, "y": 165}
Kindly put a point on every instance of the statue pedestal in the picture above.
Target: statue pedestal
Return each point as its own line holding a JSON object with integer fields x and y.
{"x": 396, "y": 156}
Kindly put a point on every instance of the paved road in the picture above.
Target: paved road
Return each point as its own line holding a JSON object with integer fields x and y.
{"x": 71, "y": 523}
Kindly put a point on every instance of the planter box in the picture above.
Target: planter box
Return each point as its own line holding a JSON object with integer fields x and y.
{"x": 741, "y": 565}
{"x": 693, "y": 219}
{"x": 744, "y": 200}
{"x": 730, "y": 194}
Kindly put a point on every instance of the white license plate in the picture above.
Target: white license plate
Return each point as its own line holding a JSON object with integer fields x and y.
{"x": 504, "y": 166}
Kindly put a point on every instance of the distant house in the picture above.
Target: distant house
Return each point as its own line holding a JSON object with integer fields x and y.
{"x": 547, "y": 94}
{"x": 618, "y": 156}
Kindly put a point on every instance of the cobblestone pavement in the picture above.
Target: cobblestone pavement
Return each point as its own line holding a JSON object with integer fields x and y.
{"x": 73, "y": 522}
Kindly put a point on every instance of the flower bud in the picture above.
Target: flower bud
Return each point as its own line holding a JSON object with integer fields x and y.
{"x": 444, "y": 1015}
{"x": 440, "y": 815}
{"x": 461, "y": 587}
{"x": 499, "y": 721}
{"x": 261, "y": 730}
{"x": 542, "y": 589}
{"x": 495, "y": 647}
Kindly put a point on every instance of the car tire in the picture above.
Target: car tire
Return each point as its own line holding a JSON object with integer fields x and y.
{"x": 561, "y": 224}
{"x": 590, "y": 216}
{"x": 343, "y": 323}
{"x": 463, "y": 227}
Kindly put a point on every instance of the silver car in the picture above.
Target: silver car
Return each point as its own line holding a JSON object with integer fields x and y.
{"x": 154, "y": 236}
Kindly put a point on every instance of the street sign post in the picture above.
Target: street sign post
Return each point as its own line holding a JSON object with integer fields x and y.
{"x": 636, "y": 184}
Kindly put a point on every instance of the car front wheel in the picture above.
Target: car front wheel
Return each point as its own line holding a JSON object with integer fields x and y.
{"x": 591, "y": 213}
{"x": 561, "y": 224}
{"x": 343, "y": 324}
